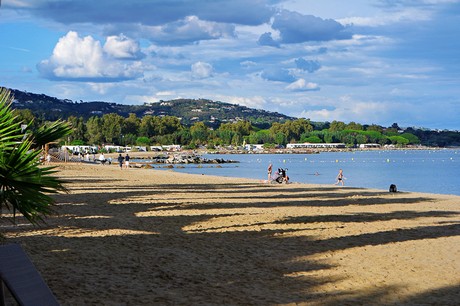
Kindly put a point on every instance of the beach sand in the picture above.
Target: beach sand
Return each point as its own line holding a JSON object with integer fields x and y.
{"x": 151, "y": 237}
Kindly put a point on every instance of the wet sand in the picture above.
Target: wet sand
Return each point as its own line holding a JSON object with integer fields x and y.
{"x": 150, "y": 237}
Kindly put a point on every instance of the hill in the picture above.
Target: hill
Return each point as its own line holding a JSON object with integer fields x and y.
{"x": 213, "y": 113}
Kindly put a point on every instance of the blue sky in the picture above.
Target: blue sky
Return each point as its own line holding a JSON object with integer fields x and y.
{"x": 381, "y": 61}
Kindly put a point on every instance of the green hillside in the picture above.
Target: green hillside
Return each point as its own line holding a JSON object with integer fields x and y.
{"x": 188, "y": 110}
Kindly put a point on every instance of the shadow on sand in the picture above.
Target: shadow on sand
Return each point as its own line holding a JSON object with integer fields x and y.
{"x": 165, "y": 258}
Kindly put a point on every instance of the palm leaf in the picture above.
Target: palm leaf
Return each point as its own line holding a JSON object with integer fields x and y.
{"x": 9, "y": 128}
{"x": 26, "y": 186}
{"x": 50, "y": 132}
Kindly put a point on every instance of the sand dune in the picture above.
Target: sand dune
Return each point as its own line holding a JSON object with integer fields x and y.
{"x": 150, "y": 237}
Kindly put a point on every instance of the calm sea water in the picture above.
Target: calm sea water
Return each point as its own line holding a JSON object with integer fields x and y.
{"x": 432, "y": 171}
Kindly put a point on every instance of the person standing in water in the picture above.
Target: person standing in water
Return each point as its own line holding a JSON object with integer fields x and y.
{"x": 340, "y": 178}
{"x": 269, "y": 170}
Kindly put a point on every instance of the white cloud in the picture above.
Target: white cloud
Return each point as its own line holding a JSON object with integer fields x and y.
{"x": 201, "y": 70}
{"x": 257, "y": 102}
{"x": 302, "y": 85}
{"x": 140, "y": 99}
{"x": 165, "y": 93}
{"x": 76, "y": 58}
{"x": 122, "y": 47}
{"x": 294, "y": 27}
{"x": 101, "y": 88}
{"x": 348, "y": 109}
{"x": 248, "y": 64}
{"x": 188, "y": 30}
{"x": 405, "y": 15}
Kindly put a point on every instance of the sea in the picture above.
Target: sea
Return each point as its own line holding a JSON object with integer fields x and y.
{"x": 429, "y": 171}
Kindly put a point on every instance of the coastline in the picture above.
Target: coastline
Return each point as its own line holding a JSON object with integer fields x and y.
{"x": 416, "y": 171}
{"x": 143, "y": 236}
{"x": 151, "y": 154}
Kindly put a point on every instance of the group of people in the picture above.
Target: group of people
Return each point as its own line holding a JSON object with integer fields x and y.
{"x": 280, "y": 173}
{"x": 339, "y": 179}
{"x": 123, "y": 161}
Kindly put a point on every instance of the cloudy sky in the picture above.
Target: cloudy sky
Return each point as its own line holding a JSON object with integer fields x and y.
{"x": 368, "y": 61}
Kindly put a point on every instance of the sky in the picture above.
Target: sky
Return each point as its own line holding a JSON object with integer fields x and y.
{"x": 365, "y": 61}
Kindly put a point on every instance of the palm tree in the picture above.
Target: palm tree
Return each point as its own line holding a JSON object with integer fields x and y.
{"x": 25, "y": 185}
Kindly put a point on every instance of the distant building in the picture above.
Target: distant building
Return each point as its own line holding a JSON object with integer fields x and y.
{"x": 166, "y": 148}
{"x": 254, "y": 147}
{"x": 369, "y": 145}
{"x": 118, "y": 149}
{"x": 80, "y": 149}
{"x": 308, "y": 145}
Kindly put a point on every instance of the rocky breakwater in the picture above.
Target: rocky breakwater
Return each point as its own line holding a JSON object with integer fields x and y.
{"x": 195, "y": 159}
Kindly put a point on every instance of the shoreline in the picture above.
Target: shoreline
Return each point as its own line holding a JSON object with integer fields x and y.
{"x": 274, "y": 151}
{"x": 144, "y": 237}
{"x": 448, "y": 187}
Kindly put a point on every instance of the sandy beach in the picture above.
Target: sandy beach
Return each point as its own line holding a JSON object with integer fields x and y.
{"x": 151, "y": 237}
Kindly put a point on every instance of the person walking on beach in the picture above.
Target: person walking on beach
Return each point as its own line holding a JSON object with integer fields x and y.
{"x": 269, "y": 170}
{"x": 340, "y": 178}
{"x": 127, "y": 161}
{"x": 120, "y": 161}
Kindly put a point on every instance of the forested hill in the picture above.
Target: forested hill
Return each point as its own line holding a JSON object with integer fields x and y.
{"x": 190, "y": 111}
{"x": 212, "y": 114}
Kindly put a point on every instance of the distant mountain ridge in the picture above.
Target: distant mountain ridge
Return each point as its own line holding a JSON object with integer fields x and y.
{"x": 213, "y": 113}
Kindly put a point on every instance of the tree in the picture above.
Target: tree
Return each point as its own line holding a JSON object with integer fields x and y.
{"x": 111, "y": 127}
{"x": 25, "y": 186}
{"x": 131, "y": 125}
{"x": 332, "y": 137}
{"x": 165, "y": 125}
{"x": 280, "y": 139}
{"x": 354, "y": 126}
{"x": 399, "y": 140}
{"x": 260, "y": 137}
{"x": 183, "y": 137}
{"x": 411, "y": 137}
{"x": 336, "y": 126}
{"x": 292, "y": 130}
{"x": 142, "y": 141}
{"x": 374, "y": 127}
{"x": 361, "y": 138}
{"x": 27, "y": 117}
{"x": 199, "y": 133}
{"x": 311, "y": 139}
{"x": 395, "y": 126}
{"x": 78, "y": 129}
{"x": 146, "y": 126}
{"x": 233, "y": 133}
{"x": 93, "y": 130}
{"x": 225, "y": 135}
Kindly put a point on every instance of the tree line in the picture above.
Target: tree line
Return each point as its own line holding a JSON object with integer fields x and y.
{"x": 155, "y": 130}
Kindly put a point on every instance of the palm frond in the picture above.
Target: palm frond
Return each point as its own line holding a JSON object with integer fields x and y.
{"x": 50, "y": 132}
{"x": 26, "y": 186}
{"x": 9, "y": 128}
